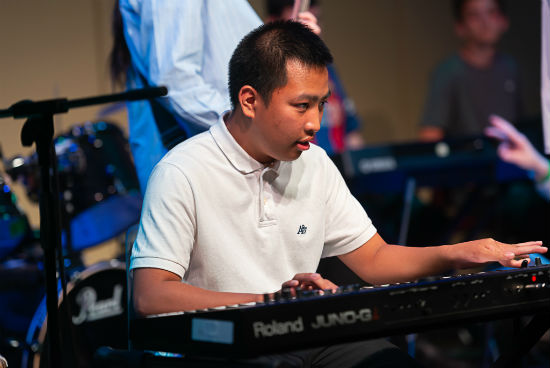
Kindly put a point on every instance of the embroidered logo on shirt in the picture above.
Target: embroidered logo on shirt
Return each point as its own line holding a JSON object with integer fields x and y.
{"x": 302, "y": 229}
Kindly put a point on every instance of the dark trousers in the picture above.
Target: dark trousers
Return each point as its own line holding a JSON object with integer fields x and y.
{"x": 372, "y": 353}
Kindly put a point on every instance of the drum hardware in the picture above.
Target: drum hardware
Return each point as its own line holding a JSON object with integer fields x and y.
{"x": 39, "y": 129}
{"x": 99, "y": 189}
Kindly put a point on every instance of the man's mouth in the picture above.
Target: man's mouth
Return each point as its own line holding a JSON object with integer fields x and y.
{"x": 303, "y": 145}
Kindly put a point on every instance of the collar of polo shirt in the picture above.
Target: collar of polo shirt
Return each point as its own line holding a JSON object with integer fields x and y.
{"x": 238, "y": 157}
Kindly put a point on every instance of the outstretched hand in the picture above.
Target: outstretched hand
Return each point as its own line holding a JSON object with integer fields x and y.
{"x": 489, "y": 250}
{"x": 515, "y": 147}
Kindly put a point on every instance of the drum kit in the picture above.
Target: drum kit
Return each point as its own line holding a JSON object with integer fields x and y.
{"x": 100, "y": 199}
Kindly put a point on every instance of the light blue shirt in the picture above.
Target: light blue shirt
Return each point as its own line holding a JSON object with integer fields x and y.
{"x": 184, "y": 45}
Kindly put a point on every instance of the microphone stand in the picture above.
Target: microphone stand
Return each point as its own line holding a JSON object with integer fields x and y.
{"x": 39, "y": 129}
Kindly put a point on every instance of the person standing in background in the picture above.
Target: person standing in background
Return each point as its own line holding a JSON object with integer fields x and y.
{"x": 341, "y": 127}
{"x": 477, "y": 81}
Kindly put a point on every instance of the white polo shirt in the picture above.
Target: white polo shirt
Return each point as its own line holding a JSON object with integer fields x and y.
{"x": 223, "y": 221}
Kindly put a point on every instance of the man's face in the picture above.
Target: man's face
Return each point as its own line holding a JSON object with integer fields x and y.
{"x": 482, "y": 22}
{"x": 282, "y": 130}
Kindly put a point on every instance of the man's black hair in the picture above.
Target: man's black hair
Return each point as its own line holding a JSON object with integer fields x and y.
{"x": 261, "y": 57}
{"x": 458, "y": 8}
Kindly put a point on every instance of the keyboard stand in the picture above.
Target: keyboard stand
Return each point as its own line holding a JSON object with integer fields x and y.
{"x": 524, "y": 341}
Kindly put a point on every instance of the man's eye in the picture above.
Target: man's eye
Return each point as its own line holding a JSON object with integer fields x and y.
{"x": 302, "y": 106}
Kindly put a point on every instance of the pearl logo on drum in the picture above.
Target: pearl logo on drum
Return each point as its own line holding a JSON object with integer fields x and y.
{"x": 92, "y": 310}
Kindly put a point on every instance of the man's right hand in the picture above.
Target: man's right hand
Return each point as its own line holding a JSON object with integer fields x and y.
{"x": 309, "y": 281}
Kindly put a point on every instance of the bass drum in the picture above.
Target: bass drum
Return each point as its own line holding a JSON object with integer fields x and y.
{"x": 98, "y": 317}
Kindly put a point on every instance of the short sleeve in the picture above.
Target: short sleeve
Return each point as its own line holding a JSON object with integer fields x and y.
{"x": 167, "y": 229}
{"x": 347, "y": 225}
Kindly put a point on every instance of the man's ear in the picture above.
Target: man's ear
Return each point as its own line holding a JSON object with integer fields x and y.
{"x": 248, "y": 99}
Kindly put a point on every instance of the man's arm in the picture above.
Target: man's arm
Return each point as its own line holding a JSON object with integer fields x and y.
{"x": 158, "y": 291}
{"x": 379, "y": 263}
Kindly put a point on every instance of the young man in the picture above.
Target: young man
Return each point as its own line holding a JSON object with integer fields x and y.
{"x": 477, "y": 81}
{"x": 251, "y": 205}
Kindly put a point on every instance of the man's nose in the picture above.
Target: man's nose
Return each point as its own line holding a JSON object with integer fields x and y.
{"x": 313, "y": 123}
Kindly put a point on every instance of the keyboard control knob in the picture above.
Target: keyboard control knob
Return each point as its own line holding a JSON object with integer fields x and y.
{"x": 524, "y": 263}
